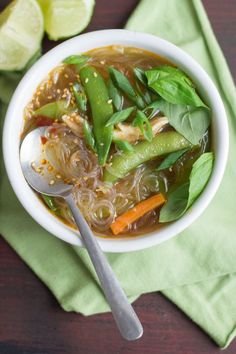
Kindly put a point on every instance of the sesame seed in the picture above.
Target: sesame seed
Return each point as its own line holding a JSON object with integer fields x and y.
{"x": 58, "y": 91}
{"x": 95, "y": 74}
{"x": 102, "y": 62}
{"x": 109, "y": 101}
{"x": 66, "y": 76}
{"x": 102, "y": 144}
{"x": 58, "y": 176}
{"x": 86, "y": 80}
{"x": 49, "y": 97}
{"x": 70, "y": 83}
{"x": 50, "y": 168}
{"x": 43, "y": 162}
{"x": 52, "y": 182}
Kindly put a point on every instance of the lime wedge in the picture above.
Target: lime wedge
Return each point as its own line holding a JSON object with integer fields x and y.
{"x": 65, "y": 18}
{"x": 21, "y": 32}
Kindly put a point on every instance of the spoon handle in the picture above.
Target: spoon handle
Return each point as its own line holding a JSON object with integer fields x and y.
{"x": 123, "y": 313}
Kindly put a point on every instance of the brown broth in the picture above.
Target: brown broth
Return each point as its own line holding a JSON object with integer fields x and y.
{"x": 57, "y": 86}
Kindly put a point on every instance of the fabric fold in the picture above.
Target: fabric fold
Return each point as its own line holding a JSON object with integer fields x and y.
{"x": 196, "y": 270}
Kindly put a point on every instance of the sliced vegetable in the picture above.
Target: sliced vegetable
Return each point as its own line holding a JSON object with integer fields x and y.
{"x": 173, "y": 85}
{"x": 144, "y": 125}
{"x": 152, "y": 109}
{"x": 191, "y": 122}
{"x": 76, "y": 59}
{"x": 114, "y": 94}
{"x": 120, "y": 116}
{"x": 124, "y": 220}
{"x": 121, "y": 81}
{"x": 124, "y": 145}
{"x": 171, "y": 159}
{"x": 184, "y": 196}
{"x": 80, "y": 96}
{"x": 88, "y": 135}
{"x": 54, "y": 110}
{"x": 162, "y": 144}
{"x": 143, "y": 93}
{"x": 101, "y": 108}
{"x": 140, "y": 75}
{"x": 49, "y": 201}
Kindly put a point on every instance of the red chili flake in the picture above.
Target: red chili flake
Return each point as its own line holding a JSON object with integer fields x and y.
{"x": 43, "y": 140}
{"x": 53, "y": 130}
{"x": 42, "y": 121}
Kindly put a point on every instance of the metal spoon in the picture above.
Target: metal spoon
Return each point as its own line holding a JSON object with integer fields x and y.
{"x": 30, "y": 157}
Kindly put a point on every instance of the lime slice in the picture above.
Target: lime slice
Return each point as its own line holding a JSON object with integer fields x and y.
{"x": 65, "y": 18}
{"x": 21, "y": 32}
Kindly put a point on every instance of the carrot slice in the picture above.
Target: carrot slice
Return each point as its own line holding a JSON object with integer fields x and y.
{"x": 136, "y": 212}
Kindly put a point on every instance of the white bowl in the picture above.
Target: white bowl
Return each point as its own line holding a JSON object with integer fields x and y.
{"x": 14, "y": 125}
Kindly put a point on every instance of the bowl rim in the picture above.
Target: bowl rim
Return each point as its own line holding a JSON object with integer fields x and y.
{"x": 51, "y": 59}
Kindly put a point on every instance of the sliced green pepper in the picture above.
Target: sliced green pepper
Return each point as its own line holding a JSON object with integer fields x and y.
{"x": 49, "y": 201}
{"x": 162, "y": 144}
{"x": 80, "y": 96}
{"x": 101, "y": 107}
{"x": 54, "y": 109}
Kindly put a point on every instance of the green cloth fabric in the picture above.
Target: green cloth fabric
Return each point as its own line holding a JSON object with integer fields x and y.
{"x": 195, "y": 270}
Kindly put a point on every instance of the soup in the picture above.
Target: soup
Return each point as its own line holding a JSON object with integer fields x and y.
{"x": 129, "y": 131}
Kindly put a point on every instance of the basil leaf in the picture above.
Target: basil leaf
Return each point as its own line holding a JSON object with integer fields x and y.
{"x": 115, "y": 95}
{"x": 80, "y": 96}
{"x": 142, "y": 122}
{"x": 153, "y": 109}
{"x": 124, "y": 145}
{"x": 120, "y": 116}
{"x": 121, "y": 81}
{"x": 144, "y": 94}
{"x": 171, "y": 159}
{"x": 54, "y": 109}
{"x": 184, "y": 196}
{"x": 76, "y": 59}
{"x": 88, "y": 135}
{"x": 140, "y": 75}
{"x": 174, "y": 86}
{"x": 191, "y": 122}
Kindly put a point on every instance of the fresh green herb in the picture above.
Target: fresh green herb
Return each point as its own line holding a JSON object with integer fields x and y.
{"x": 124, "y": 145}
{"x": 114, "y": 94}
{"x": 140, "y": 75}
{"x": 142, "y": 122}
{"x": 143, "y": 93}
{"x": 184, "y": 196}
{"x": 171, "y": 159}
{"x": 120, "y": 116}
{"x": 191, "y": 122}
{"x": 121, "y": 81}
{"x": 101, "y": 108}
{"x": 174, "y": 86}
{"x": 88, "y": 135}
{"x": 49, "y": 201}
{"x": 161, "y": 144}
{"x": 152, "y": 109}
{"x": 54, "y": 109}
{"x": 79, "y": 60}
{"x": 80, "y": 96}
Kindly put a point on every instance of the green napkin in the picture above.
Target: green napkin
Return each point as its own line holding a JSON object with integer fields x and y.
{"x": 194, "y": 270}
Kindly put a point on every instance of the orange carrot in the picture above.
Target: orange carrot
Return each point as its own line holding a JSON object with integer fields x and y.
{"x": 136, "y": 212}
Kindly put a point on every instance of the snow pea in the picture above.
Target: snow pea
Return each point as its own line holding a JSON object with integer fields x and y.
{"x": 163, "y": 143}
{"x": 101, "y": 107}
